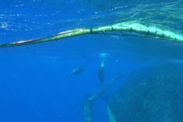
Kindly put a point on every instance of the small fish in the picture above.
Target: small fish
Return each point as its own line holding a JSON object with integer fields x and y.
{"x": 76, "y": 71}
{"x": 101, "y": 72}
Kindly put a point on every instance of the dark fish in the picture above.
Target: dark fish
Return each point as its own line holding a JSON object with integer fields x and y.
{"x": 101, "y": 72}
{"x": 76, "y": 71}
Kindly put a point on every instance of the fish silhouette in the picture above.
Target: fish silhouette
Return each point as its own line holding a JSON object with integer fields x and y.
{"x": 101, "y": 72}
{"x": 76, "y": 71}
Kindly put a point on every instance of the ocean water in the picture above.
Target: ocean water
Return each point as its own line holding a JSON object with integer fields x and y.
{"x": 33, "y": 84}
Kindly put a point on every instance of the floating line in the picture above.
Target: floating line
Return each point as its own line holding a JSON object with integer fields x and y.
{"x": 141, "y": 30}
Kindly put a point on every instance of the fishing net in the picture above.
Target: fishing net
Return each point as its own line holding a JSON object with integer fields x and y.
{"x": 152, "y": 95}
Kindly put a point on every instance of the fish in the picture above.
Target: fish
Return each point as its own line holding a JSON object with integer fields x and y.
{"x": 101, "y": 72}
{"x": 76, "y": 71}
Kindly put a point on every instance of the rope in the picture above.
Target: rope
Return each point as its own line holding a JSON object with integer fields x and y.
{"x": 133, "y": 29}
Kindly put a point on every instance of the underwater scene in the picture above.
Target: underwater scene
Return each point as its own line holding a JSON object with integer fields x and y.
{"x": 91, "y": 61}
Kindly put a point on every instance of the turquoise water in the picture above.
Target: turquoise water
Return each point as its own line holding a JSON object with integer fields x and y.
{"x": 33, "y": 86}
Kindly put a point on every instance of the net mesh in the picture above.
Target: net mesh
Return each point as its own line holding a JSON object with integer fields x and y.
{"x": 151, "y": 95}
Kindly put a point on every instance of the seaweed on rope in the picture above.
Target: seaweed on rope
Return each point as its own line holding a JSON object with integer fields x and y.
{"x": 135, "y": 29}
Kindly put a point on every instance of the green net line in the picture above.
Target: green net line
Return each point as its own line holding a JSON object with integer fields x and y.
{"x": 131, "y": 29}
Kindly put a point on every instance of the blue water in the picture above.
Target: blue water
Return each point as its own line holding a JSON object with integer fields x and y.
{"x": 33, "y": 87}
